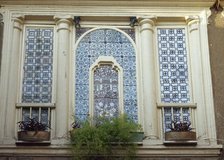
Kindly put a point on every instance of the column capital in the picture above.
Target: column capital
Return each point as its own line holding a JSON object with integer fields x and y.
{"x": 147, "y": 19}
{"x": 18, "y": 20}
{"x": 63, "y": 22}
{"x": 146, "y": 23}
{"x": 63, "y": 19}
{"x": 192, "y": 22}
{"x": 192, "y": 19}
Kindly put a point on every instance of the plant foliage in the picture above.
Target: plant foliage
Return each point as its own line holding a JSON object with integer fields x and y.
{"x": 180, "y": 126}
{"x": 104, "y": 138}
{"x": 31, "y": 124}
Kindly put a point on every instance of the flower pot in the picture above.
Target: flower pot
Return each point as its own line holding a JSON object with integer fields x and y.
{"x": 180, "y": 136}
{"x": 33, "y": 136}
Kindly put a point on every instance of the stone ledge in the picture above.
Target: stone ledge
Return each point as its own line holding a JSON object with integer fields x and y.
{"x": 143, "y": 151}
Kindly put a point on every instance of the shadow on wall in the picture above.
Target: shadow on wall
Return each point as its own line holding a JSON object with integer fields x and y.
{"x": 216, "y": 49}
{"x": 1, "y": 38}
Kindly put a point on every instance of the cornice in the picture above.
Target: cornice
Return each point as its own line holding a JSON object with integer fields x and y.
{"x": 133, "y": 3}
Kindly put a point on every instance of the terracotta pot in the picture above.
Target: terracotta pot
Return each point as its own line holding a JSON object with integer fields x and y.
{"x": 33, "y": 136}
{"x": 180, "y": 136}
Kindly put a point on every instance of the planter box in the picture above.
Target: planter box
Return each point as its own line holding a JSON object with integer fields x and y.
{"x": 33, "y": 136}
{"x": 180, "y": 136}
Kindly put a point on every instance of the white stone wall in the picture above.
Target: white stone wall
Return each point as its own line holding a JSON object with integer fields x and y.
{"x": 193, "y": 18}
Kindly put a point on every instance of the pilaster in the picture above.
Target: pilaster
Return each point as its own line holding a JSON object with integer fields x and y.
{"x": 63, "y": 24}
{"x": 150, "y": 124}
{"x": 15, "y": 52}
{"x": 197, "y": 86}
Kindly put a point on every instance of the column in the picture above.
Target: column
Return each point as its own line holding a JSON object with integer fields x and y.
{"x": 62, "y": 83}
{"x": 197, "y": 76}
{"x": 13, "y": 90}
{"x": 148, "y": 76}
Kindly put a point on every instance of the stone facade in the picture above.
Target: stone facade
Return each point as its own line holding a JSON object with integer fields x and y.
{"x": 202, "y": 70}
{"x": 216, "y": 36}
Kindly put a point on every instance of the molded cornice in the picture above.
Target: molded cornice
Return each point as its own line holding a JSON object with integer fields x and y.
{"x": 134, "y": 3}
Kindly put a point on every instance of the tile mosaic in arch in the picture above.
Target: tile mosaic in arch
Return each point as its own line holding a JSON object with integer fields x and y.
{"x": 106, "y": 100}
{"x": 105, "y": 42}
{"x": 173, "y": 72}
{"x": 38, "y": 64}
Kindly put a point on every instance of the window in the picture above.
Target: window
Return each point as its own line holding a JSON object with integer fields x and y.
{"x": 37, "y": 81}
{"x": 106, "y": 94}
{"x": 173, "y": 72}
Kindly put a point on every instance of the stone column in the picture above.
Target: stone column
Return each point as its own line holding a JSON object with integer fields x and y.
{"x": 62, "y": 83}
{"x": 148, "y": 72}
{"x": 197, "y": 76}
{"x": 10, "y": 112}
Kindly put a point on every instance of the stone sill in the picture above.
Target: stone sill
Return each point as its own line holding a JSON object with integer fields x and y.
{"x": 25, "y": 143}
{"x": 183, "y": 143}
{"x": 143, "y": 151}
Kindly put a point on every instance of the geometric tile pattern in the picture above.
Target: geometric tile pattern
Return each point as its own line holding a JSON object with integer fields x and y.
{"x": 173, "y": 73}
{"x": 106, "y": 100}
{"x": 105, "y": 42}
{"x": 175, "y": 114}
{"x": 173, "y": 65}
{"x": 38, "y": 65}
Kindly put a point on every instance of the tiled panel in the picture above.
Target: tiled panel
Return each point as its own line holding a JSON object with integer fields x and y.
{"x": 38, "y": 66}
{"x": 105, "y": 42}
{"x": 173, "y": 65}
{"x": 174, "y": 80}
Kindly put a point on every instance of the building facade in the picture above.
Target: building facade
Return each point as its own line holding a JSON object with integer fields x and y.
{"x": 148, "y": 59}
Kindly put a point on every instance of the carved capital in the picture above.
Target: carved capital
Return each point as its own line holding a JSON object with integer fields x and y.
{"x": 192, "y": 19}
{"x": 18, "y": 20}
{"x": 63, "y": 22}
{"x": 192, "y": 22}
{"x": 147, "y": 23}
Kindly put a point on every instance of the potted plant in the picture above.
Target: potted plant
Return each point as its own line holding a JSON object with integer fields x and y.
{"x": 180, "y": 132}
{"x": 32, "y": 130}
{"x": 104, "y": 138}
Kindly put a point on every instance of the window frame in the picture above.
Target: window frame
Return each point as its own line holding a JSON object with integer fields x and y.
{"x": 162, "y": 105}
{"x": 50, "y": 106}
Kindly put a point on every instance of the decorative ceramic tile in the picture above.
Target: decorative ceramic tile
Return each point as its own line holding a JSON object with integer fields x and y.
{"x": 33, "y": 112}
{"x": 173, "y": 73}
{"x": 25, "y": 113}
{"x": 175, "y": 114}
{"x": 173, "y": 65}
{"x": 80, "y": 32}
{"x": 38, "y": 66}
{"x": 105, "y": 42}
{"x": 106, "y": 91}
{"x": 130, "y": 32}
{"x": 45, "y": 119}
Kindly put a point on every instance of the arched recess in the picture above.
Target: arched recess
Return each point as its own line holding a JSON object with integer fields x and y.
{"x": 106, "y": 42}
